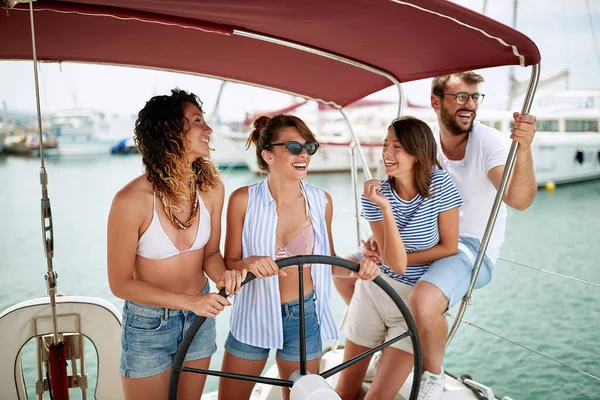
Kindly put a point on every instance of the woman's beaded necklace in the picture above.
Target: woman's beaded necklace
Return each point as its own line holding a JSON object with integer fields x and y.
{"x": 169, "y": 209}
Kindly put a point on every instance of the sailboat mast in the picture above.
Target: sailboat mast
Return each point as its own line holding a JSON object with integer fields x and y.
{"x": 215, "y": 114}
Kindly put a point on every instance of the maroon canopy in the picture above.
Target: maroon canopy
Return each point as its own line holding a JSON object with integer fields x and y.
{"x": 251, "y": 117}
{"x": 410, "y": 40}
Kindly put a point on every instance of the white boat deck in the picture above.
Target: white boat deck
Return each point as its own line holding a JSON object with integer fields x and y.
{"x": 453, "y": 389}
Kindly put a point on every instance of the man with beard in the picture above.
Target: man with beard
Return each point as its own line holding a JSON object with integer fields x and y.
{"x": 474, "y": 156}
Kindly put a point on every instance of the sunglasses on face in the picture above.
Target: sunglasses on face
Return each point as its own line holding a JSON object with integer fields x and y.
{"x": 296, "y": 147}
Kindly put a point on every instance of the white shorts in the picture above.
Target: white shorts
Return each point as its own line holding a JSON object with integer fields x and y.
{"x": 373, "y": 317}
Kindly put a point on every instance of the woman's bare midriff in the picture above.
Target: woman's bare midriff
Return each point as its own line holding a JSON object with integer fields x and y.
{"x": 182, "y": 273}
{"x": 288, "y": 285}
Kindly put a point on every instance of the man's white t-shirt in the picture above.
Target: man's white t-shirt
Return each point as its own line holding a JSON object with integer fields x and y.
{"x": 486, "y": 149}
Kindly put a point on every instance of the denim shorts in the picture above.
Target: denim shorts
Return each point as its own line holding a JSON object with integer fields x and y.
{"x": 290, "y": 314}
{"x": 452, "y": 275}
{"x": 150, "y": 336}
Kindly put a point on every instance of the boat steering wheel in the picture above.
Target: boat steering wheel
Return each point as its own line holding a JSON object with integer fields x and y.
{"x": 302, "y": 379}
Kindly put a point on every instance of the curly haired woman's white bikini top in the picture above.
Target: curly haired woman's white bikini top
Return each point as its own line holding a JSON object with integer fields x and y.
{"x": 156, "y": 245}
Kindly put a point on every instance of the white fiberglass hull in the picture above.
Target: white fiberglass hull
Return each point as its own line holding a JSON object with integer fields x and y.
{"x": 228, "y": 149}
{"x": 83, "y": 149}
{"x": 555, "y": 157}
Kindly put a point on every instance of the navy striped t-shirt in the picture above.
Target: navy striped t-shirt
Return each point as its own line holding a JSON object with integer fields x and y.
{"x": 416, "y": 219}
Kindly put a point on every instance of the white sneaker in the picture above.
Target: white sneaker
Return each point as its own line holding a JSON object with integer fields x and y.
{"x": 432, "y": 386}
{"x": 372, "y": 369}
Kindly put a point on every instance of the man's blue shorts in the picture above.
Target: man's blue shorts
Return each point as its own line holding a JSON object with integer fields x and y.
{"x": 452, "y": 275}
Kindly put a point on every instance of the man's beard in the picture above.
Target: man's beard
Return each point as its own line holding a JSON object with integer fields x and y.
{"x": 449, "y": 121}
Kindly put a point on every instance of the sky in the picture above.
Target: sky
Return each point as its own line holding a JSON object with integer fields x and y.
{"x": 562, "y": 29}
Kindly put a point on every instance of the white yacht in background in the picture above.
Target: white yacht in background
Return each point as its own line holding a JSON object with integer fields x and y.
{"x": 228, "y": 147}
{"x": 369, "y": 122}
{"x": 566, "y": 147}
{"x": 85, "y": 131}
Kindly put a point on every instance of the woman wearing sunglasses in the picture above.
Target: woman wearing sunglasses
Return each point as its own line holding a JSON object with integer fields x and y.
{"x": 414, "y": 210}
{"x": 279, "y": 217}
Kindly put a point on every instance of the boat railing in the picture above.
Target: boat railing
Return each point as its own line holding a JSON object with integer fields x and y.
{"x": 562, "y": 363}
{"x": 527, "y": 348}
{"x": 563, "y": 276}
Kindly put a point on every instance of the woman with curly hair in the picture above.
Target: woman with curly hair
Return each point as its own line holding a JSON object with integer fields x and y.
{"x": 164, "y": 232}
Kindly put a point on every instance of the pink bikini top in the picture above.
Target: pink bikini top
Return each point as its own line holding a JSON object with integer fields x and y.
{"x": 303, "y": 243}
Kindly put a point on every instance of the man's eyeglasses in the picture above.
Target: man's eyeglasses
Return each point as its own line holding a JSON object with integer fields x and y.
{"x": 296, "y": 147}
{"x": 463, "y": 97}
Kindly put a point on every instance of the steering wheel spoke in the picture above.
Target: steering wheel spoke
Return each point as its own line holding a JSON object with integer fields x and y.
{"x": 243, "y": 377}
{"x": 354, "y": 360}
{"x": 302, "y": 320}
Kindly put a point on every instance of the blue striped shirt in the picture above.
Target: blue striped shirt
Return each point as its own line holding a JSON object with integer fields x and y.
{"x": 256, "y": 312}
{"x": 416, "y": 219}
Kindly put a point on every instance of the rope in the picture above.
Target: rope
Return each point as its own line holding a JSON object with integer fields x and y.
{"x": 527, "y": 348}
{"x": 551, "y": 273}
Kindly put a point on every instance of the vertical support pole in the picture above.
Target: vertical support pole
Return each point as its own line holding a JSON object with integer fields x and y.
{"x": 508, "y": 167}
{"x": 354, "y": 178}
